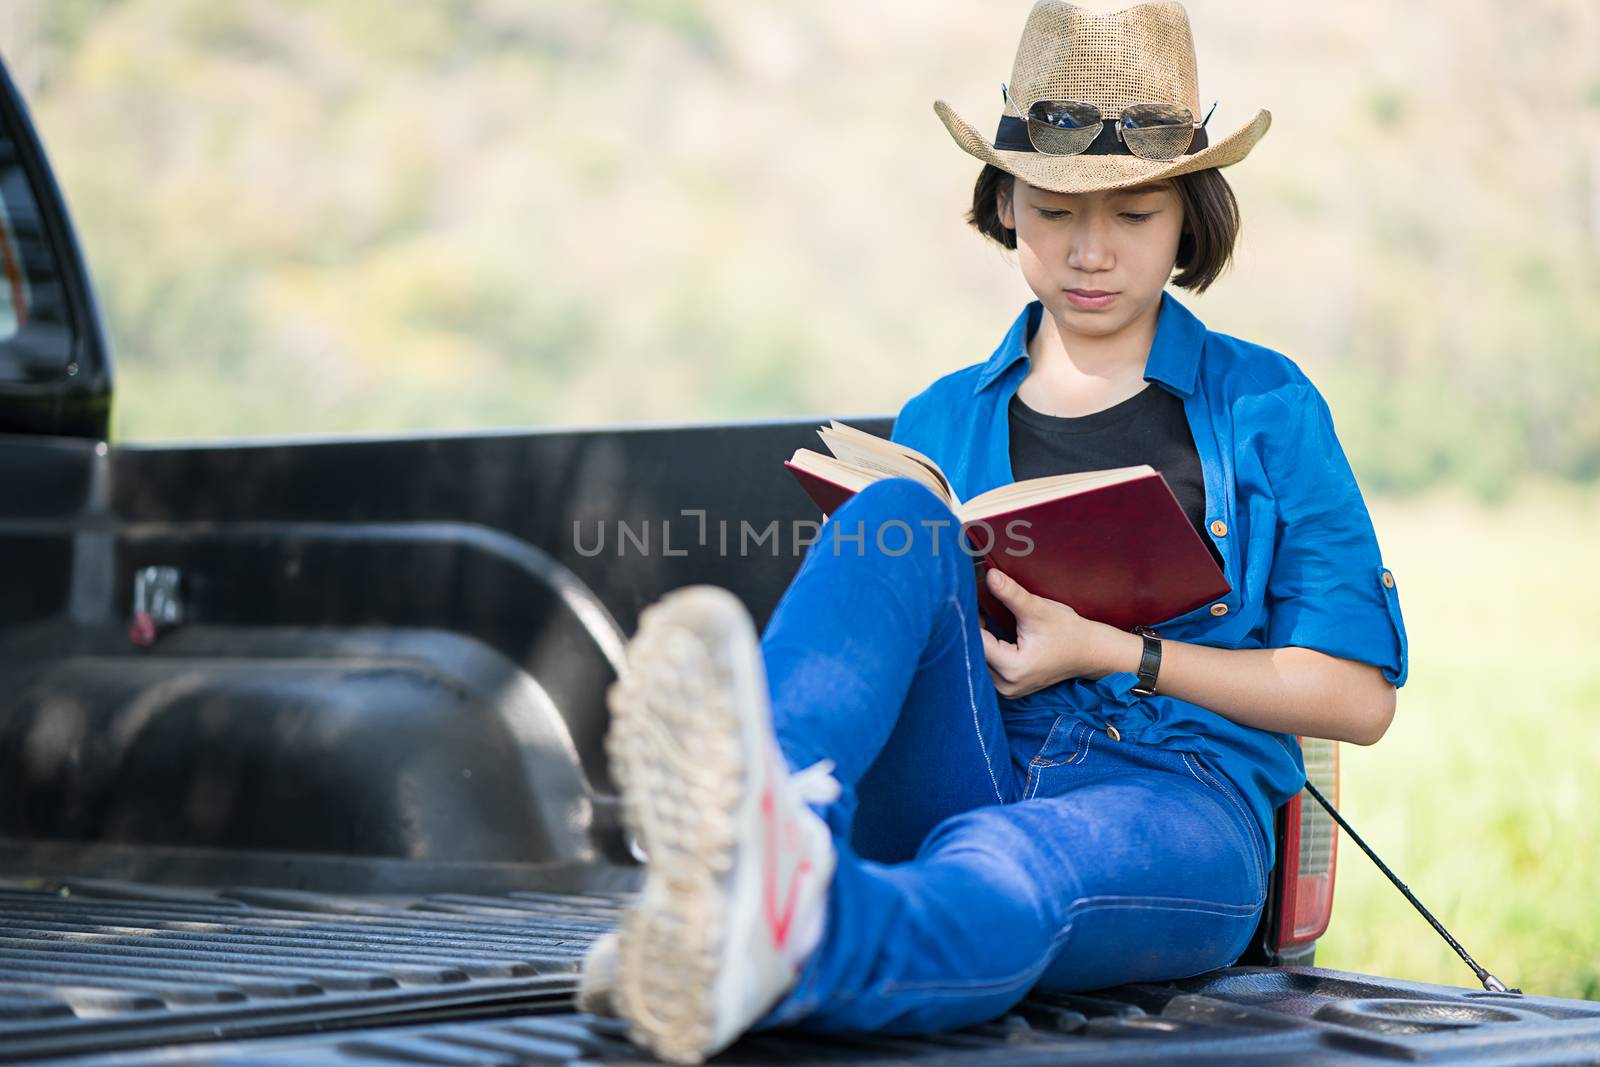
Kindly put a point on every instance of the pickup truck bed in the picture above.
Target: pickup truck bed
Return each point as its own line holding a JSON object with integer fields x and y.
{"x": 301, "y": 752}
{"x": 107, "y": 972}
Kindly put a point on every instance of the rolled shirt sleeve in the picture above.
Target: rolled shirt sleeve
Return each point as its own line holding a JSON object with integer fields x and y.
{"x": 1328, "y": 588}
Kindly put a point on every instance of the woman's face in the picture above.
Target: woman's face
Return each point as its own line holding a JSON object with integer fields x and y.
{"x": 1123, "y": 242}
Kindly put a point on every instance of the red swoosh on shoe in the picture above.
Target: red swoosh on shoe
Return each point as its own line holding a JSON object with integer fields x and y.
{"x": 779, "y": 919}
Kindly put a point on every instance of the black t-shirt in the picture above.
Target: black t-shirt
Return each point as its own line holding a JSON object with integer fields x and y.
{"x": 1149, "y": 427}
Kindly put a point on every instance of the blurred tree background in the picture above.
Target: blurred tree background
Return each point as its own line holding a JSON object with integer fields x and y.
{"x": 309, "y": 216}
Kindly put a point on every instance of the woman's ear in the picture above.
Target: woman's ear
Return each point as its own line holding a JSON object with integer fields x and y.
{"x": 1004, "y": 196}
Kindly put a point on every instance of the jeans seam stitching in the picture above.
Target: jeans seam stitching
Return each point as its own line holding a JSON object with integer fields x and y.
{"x": 1249, "y": 821}
{"x": 1033, "y": 764}
{"x": 1080, "y": 749}
{"x": 972, "y": 701}
{"x": 1255, "y": 847}
{"x": 1037, "y": 780}
{"x": 1077, "y": 908}
{"x": 1080, "y": 753}
{"x": 1049, "y": 737}
{"x": 1028, "y": 973}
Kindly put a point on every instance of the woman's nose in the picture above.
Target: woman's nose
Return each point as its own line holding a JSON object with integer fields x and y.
{"x": 1087, "y": 250}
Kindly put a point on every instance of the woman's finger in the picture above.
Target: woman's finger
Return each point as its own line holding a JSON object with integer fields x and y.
{"x": 1009, "y": 592}
{"x": 995, "y": 651}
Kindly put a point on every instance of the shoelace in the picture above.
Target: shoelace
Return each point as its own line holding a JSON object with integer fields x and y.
{"x": 816, "y": 784}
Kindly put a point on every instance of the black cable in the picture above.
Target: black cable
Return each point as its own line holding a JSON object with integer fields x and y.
{"x": 1490, "y": 982}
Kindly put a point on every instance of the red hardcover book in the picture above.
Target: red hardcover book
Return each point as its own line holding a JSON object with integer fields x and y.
{"x": 1115, "y": 545}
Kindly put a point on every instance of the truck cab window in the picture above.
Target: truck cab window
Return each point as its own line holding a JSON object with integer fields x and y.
{"x": 35, "y": 338}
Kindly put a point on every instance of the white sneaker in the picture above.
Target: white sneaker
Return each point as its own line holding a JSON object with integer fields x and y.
{"x": 738, "y": 866}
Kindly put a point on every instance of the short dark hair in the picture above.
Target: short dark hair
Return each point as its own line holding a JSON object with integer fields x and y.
{"x": 1210, "y": 222}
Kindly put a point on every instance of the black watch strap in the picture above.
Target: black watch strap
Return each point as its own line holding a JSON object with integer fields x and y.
{"x": 1149, "y": 663}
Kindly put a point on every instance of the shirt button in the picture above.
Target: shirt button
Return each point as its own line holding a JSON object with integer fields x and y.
{"x": 1111, "y": 732}
{"x": 1219, "y": 609}
{"x": 1388, "y": 580}
{"x": 1219, "y": 528}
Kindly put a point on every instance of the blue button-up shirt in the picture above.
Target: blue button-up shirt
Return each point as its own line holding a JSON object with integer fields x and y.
{"x": 1298, "y": 545}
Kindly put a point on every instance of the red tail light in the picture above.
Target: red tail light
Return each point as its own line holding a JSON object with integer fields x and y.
{"x": 1309, "y": 850}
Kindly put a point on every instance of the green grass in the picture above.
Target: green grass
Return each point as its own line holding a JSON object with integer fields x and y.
{"x": 1482, "y": 796}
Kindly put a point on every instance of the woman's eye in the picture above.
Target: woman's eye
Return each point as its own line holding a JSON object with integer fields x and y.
{"x": 1131, "y": 216}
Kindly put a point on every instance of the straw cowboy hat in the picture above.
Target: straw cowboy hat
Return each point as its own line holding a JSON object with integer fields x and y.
{"x": 1138, "y": 54}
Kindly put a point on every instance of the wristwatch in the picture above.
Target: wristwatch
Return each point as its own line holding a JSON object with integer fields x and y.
{"x": 1149, "y": 663}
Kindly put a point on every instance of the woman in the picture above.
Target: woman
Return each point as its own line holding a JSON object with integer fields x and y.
{"x": 883, "y": 817}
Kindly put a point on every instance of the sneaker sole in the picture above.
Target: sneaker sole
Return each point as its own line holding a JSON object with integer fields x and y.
{"x": 597, "y": 981}
{"x": 675, "y": 750}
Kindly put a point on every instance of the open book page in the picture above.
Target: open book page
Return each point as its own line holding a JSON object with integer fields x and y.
{"x": 856, "y": 477}
{"x": 886, "y": 458}
{"x": 1007, "y": 498}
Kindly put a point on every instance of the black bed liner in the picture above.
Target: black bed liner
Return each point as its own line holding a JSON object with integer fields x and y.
{"x": 97, "y": 972}
{"x": 90, "y": 966}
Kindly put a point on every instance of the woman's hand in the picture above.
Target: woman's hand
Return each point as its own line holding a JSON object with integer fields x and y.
{"x": 1053, "y": 642}
{"x": 1290, "y": 690}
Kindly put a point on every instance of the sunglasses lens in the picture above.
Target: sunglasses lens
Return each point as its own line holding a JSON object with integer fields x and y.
{"x": 1063, "y": 127}
{"x": 1157, "y": 131}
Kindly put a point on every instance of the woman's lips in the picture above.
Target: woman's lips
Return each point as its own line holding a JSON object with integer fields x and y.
{"x": 1090, "y": 298}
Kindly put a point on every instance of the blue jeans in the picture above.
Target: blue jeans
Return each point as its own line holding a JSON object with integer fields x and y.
{"x": 983, "y": 851}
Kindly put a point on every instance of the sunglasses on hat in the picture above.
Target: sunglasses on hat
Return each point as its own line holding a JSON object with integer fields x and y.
{"x": 1069, "y": 127}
